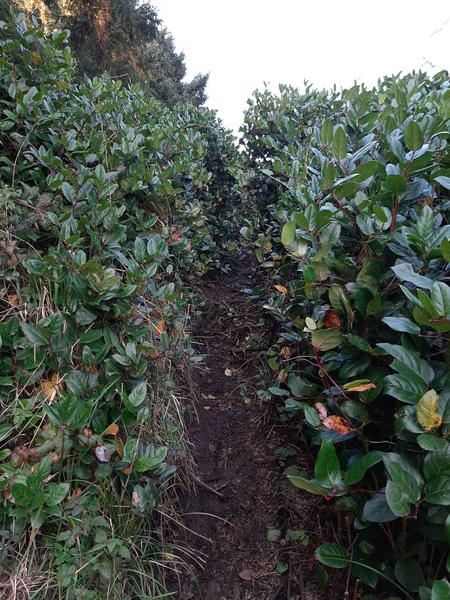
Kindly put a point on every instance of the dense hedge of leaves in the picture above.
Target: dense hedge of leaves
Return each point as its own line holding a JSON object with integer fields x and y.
{"x": 106, "y": 205}
{"x": 353, "y": 197}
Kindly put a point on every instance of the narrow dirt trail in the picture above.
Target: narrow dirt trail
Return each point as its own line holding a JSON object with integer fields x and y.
{"x": 233, "y": 450}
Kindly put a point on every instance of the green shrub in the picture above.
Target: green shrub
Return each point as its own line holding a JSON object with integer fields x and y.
{"x": 106, "y": 202}
{"x": 355, "y": 235}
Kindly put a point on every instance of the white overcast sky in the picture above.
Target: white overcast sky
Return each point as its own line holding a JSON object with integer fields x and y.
{"x": 244, "y": 43}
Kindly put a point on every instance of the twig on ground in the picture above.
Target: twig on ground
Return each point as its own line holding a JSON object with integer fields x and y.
{"x": 207, "y": 487}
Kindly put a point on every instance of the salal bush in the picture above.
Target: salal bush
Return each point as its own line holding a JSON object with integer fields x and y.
{"x": 106, "y": 205}
{"x": 355, "y": 237}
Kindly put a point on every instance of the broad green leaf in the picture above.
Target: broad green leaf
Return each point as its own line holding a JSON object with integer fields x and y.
{"x": 445, "y": 246}
{"x": 68, "y": 191}
{"x": 397, "y": 499}
{"x": 440, "y": 297}
{"x": 401, "y": 324}
{"x": 376, "y": 510}
{"x": 405, "y": 272}
{"x": 410, "y": 359}
{"x": 440, "y": 590}
{"x": 288, "y": 233}
{"x": 332, "y": 555}
{"x": 427, "y": 441}
{"x": 327, "y": 132}
{"x": 409, "y": 574}
{"x": 308, "y": 486}
{"x": 396, "y": 184}
{"x": 327, "y": 469}
{"x": 138, "y": 394}
{"x": 437, "y": 464}
{"x": 438, "y": 491}
{"x": 358, "y": 469}
{"x": 34, "y": 335}
{"x": 326, "y": 339}
{"x": 56, "y": 493}
{"x": 413, "y": 136}
{"x": 339, "y": 145}
{"x": 366, "y": 169}
{"x": 406, "y": 389}
{"x": 443, "y": 181}
{"x": 296, "y": 384}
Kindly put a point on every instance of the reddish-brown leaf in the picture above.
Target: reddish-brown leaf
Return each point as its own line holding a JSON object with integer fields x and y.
{"x": 337, "y": 424}
{"x": 113, "y": 429}
{"x": 332, "y": 319}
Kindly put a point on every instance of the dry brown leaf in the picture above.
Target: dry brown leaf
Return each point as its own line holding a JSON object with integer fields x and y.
{"x": 160, "y": 327}
{"x": 13, "y": 299}
{"x": 112, "y": 429}
{"x": 282, "y": 376}
{"x": 337, "y": 424}
{"x": 281, "y": 288}
{"x": 363, "y": 387}
{"x": 50, "y": 387}
{"x": 246, "y": 574}
{"x": 119, "y": 446}
{"x": 285, "y": 352}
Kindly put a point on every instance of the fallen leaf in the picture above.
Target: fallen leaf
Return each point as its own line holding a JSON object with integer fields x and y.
{"x": 281, "y": 288}
{"x": 247, "y": 575}
{"x": 337, "y": 424}
{"x": 50, "y": 387}
{"x": 128, "y": 470}
{"x": 160, "y": 327}
{"x": 13, "y": 299}
{"x": 113, "y": 429}
{"x": 228, "y": 372}
{"x": 211, "y": 397}
{"x": 332, "y": 319}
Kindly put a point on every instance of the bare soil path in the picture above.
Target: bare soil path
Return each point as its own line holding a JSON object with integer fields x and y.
{"x": 236, "y": 502}
{"x": 241, "y": 492}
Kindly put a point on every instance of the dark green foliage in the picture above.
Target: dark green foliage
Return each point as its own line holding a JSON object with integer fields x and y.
{"x": 353, "y": 228}
{"x": 164, "y": 71}
{"x": 124, "y": 38}
{"x": 106, "y": 203}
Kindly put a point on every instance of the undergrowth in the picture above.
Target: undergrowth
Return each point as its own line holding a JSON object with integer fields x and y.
{"x": 351, "y": 229}
{"x": 107, "y": 202}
